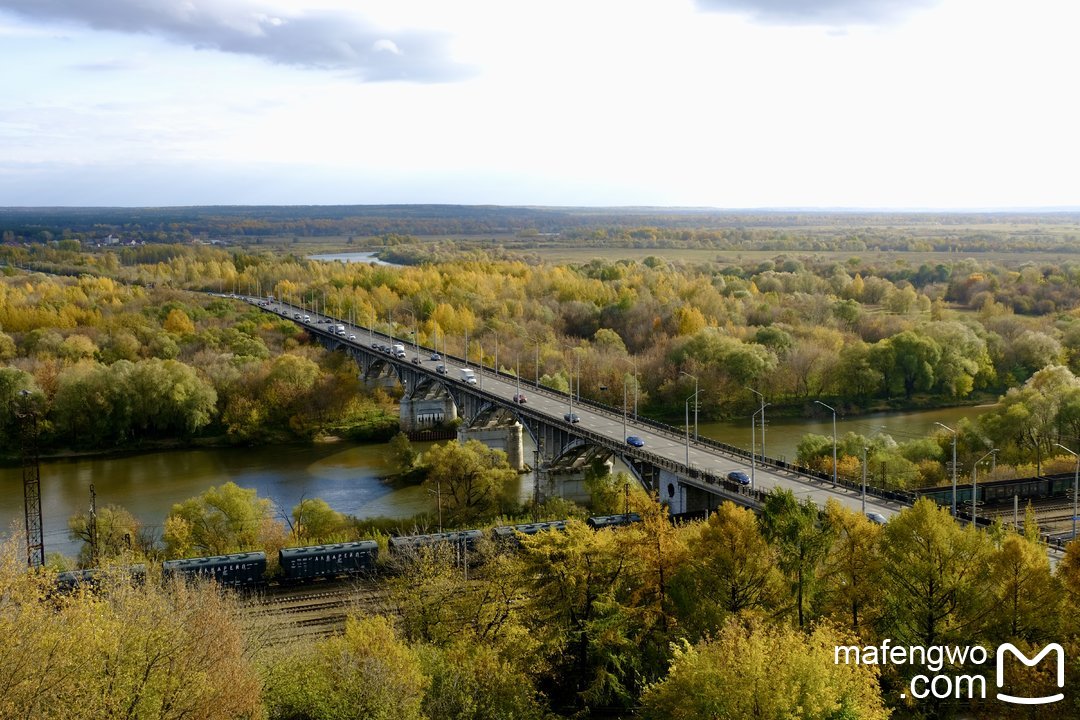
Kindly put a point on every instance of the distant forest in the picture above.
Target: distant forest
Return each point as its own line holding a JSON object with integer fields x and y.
{"x": 534, "y": 226}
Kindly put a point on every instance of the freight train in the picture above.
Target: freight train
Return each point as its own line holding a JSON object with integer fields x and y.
{"x": 241, "y": 571}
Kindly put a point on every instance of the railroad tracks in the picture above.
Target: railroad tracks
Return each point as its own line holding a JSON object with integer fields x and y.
{"x": 285, "y": 615}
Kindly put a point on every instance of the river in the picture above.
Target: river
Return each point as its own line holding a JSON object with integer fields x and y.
{"x": 347, "y": 476}
{"x": 354, "y": 257}
{"x": 782, "y": 435}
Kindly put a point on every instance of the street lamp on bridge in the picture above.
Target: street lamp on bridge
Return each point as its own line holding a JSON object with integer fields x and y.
{"x": 753, "y": 448}
{"x": 953, "y": 465}
{"x": 762, "y": 411}
{"x": 683, "y": 372}
{"x": 833, "y": 439}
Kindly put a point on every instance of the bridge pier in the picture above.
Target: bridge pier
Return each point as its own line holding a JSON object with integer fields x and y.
{"x": 426, "y": 405}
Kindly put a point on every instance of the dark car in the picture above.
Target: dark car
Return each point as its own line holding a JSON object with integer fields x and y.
{"x": 520, "y": 398}
{"x": 436, "y": 356}
{"x": 876, "y": 518}
{"x": 635, "y": 441}
{"x": 571, "y": 417}
{"x": 739, "y": 476}
{"x": 441, "y": 369}
{"x": 416, "y": 360}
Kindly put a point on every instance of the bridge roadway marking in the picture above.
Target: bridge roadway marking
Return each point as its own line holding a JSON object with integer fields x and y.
{"x": 657, "y": 443}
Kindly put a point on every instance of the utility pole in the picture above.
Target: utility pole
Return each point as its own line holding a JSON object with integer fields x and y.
{"x": 27, "y": 416}
{"x": 93, "y": 527}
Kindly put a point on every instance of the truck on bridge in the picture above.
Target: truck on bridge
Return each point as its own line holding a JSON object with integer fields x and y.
{"x": 467, "y": 375}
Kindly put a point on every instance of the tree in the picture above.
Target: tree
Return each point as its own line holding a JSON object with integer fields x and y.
{"x": 470, "y": 681}
{"x": 402, "y": 453}
{"x": 138, "y": 650}
{"x": 851, "y": 570}
{"x": 936, "y": 577}
{"x": 794, "y": 530}
{"x": 1028, "y": 600}
{"x": 178, "y": 323}
{"x": 315, "y": 521}
{"x": 731, "y": 569}
{"x": 773, "y": 672}
{"x": 470, "y": 478}
{"x": 365, "y": 674}
{"x": 224, "y": 519}
{"x": 117, "y": 534}
{"x": 907, "y": 361}
{"x": 576, "y": 610}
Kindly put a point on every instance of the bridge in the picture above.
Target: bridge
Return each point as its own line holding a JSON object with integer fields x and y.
{"x": 688, "y": 475}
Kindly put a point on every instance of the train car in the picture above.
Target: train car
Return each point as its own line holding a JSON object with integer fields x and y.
{"x": 508, "y": 533}
{"x": 305, "y": 563}
{"x": 1001, "y": 492}
{"x": 410, "y": 543}
{"x": 235, "y": 571}
{"x": 602, "y": 521}
{"x": 72, "y": 580}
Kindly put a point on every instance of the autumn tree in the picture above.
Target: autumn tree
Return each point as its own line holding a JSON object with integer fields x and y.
{"x": 936, "y": 576}
{"x": 731, "y": 569}
{"x": 851, "y": 582}
{"x": 794, "y": 529}
{"x": 137, "y": 650}
{"x": 756, "y": 670}
{"x": 366, "y": 673}
{"x": 224, "y": 519}
{"x": 469, "y": 478}
{"x": 118, "y": 534}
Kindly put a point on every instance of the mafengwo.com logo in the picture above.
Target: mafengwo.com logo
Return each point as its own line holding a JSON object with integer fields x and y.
{"x": 961, "y": 685}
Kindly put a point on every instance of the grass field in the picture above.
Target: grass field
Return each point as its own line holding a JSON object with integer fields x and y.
{"x": 582, "y": 254}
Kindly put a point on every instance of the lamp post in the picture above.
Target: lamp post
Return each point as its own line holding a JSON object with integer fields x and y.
{"x": 683, "y": 372}
{"x": 694, "y": 398}
{"x": 517, "y": 377}
{"x": 753, "y": 419}
{"x": 762, "y": 411}
{"x": 634, "y": 361}
{"x": 953, "y": 465}
{"x": 833, "y": 439}
{"x": 975, "y": 485}
{"x": 624, "y": 407}
{"x": 864, "y": 450}
{"x": 1076, "y": 485}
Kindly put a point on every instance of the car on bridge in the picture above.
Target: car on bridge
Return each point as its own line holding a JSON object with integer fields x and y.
{"x": 436, "y": 356}
{"x": 571, "y": 417}
{"x": 441, "y": 369}
{"x": 520, "y": 398}
{"x": 352, "y": 337}
{"x": 738, "y": 476}
{"x": 635, "y": 441}
{"x": 416, "y": 360}
{"x": 876, "y": 518}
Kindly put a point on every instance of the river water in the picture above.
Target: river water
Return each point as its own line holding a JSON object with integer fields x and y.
{"x": 346, "y": 476}
{"x": 354, "y": 257}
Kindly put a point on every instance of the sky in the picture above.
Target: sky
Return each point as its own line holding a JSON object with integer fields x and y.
{"x": 737, "y": 104}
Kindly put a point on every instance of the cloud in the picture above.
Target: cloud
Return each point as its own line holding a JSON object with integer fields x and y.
{"x": 818, "y": 12}
{"x": 317, "y": 39}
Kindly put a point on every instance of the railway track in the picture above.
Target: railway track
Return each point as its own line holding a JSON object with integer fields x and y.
{"x": 283, "y": 615}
